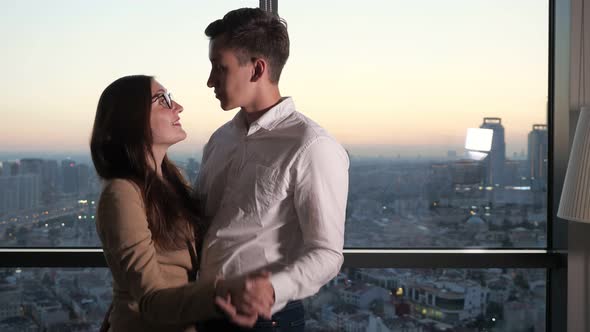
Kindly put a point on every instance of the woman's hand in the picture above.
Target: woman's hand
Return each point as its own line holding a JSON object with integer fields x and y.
{"x": 245, "y": 298}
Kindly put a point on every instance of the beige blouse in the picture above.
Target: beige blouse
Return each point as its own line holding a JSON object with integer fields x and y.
{"x": 151, "y": 291}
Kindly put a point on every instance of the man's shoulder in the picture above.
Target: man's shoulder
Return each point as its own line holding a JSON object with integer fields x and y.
{"x": 223, "y": 134}
{"x": 224, "y": 130}
{"x": 307, "y": 130}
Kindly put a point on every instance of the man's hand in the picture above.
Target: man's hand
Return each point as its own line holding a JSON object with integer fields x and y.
{"x": 249, "y": 295}
{"x": 232, "y": 314}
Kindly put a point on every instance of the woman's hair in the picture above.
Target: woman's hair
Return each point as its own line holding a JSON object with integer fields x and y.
{"x": 121, "y": 147}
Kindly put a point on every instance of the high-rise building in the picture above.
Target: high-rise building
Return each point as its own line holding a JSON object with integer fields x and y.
{"x": 29, "y": 194}
{"x": 512, "y": 172}
{"x": 31, "y": 166}
{"x": 494, "y": 162}
{"x": 537, "y": 152}
{"x": 8, "y": 197}
{"x": 83, "y": 178}
{"x": 466, "y": 172}
{"x": 10, "y": 168}
{"x": 69, "y": 176}
{"x": 51, "y": 175}
{"x": 19, "y": 192}
{"x": 36, "y": 166}
{"x": 48, "y": 173}
{"x": 192, "y": 169}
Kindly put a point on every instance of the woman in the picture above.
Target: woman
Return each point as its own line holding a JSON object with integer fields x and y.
{"x": 146, "y": 220}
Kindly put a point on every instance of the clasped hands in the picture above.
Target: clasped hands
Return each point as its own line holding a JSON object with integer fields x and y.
{"x": 244, "y": 299}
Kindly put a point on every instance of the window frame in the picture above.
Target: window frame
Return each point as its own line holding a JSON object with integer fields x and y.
{"x": 553, "y": 258}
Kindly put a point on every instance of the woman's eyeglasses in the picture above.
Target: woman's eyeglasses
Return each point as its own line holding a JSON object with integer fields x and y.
{"x": 166, "y": 97}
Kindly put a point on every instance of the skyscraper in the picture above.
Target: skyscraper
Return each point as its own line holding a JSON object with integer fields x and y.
{"x": 31, "y": 166}
{"x": 192, "y": 169}
{"x": 51, "y": 175}
{"x": 48, "y": 173}
{"x": 35, "y": 166}
{"x": 494, "y": 162}
{"x": 537, "y": 152}
{"x": 19, "y": 192}
{"x": 69, "y": 176}
{"x": 10, "y": 168}
{"x": 83, "y": 178}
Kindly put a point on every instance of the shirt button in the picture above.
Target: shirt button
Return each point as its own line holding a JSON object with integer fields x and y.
{"x": 274, "y": 323}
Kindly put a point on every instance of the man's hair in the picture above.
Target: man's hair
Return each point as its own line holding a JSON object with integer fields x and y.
{"x": 254, "y": 33}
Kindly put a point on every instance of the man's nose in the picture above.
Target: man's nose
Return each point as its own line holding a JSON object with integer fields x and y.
{"x": 210, "y": 80}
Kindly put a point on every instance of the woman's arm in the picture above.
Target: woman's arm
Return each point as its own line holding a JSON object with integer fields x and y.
{"x": 127, "y": 242}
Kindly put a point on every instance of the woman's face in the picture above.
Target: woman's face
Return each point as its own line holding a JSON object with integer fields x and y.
{"x": 165, "y": 118}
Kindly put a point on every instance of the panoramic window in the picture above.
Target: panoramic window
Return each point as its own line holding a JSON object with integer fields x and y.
{"x": 57, "y": 60}
{"x": 442, "y": 106}
{"x": 75, "y": 299}
{"x": 401, "y": 84}
{"x": 400, "y": 87}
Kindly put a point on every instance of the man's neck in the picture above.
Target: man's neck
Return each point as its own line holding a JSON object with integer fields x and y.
{"x": 261, "y": 106}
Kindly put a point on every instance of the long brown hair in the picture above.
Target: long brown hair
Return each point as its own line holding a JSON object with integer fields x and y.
{"x": 121, "y": 147}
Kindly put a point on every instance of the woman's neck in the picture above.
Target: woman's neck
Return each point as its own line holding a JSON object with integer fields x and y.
{"x": 159, "y": 153}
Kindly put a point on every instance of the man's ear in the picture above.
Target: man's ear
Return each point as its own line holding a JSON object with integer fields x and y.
{"x": 259, "y": 68}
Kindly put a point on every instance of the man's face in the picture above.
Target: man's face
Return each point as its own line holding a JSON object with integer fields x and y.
{"x": 231, "y": 81}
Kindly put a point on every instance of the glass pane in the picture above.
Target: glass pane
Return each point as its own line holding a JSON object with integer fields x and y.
{"x": 430, "y": 300}
{"x": 57, "y": 57}
{"x": 357, "y": 300}
{"x": 41, "y": 299}
{"x": 400, "y": 84}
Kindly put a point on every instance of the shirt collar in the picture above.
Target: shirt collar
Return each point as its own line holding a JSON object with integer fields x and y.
{"x": 270, "y": 119}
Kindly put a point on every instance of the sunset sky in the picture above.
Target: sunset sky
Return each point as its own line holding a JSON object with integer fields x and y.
{"x": 382, "y": 76}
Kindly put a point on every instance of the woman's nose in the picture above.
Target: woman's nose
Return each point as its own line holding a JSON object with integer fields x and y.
{"x": 177, "y": 107}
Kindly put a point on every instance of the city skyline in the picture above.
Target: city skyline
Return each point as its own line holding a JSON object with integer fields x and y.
{"x": 428, "y": 151}
{"x": 373, "y": 84}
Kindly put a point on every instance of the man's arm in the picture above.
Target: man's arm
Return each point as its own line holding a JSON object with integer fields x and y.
{"x": 320, "y": 196}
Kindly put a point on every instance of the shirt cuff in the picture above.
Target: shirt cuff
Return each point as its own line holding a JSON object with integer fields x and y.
{"x": 283, "y": 288}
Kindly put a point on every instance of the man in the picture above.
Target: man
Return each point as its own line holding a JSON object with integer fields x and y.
{"x": 274, "y": 183}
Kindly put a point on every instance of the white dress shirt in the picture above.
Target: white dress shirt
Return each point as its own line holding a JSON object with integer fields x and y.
{"x": 276, "y": 197}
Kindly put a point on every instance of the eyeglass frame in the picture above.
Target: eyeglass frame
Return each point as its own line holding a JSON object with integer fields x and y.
{"x": 167, "y": 99}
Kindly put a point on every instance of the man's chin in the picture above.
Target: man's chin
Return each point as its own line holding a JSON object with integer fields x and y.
{"x": 228, "y": 107}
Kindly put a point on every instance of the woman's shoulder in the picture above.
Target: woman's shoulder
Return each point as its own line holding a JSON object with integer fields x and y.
{"x": 121, "y": 187}
{"x": 120, "y": 192}
{"x": 120, "y": 215}
{"x": 120, "y": 200}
